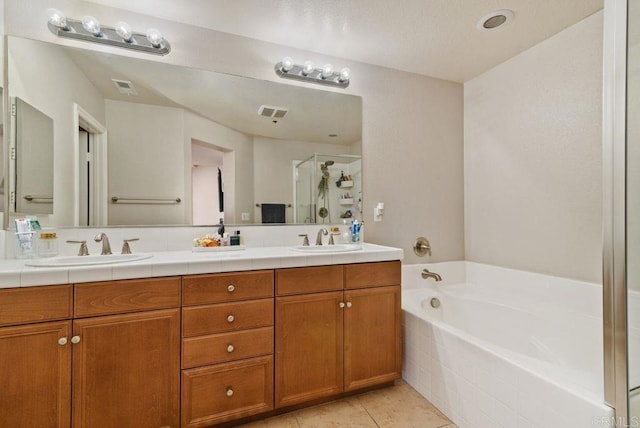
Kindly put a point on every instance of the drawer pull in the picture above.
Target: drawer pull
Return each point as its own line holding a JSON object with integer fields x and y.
{"x": 229, "y": 392}
{"x": 348, "y": 304}
{"x": 62, "y": 341}
{"x": 75, "y": 339}
{"x": 230, "y": 348}
{"x": 231, "y": 288}
{"x": 341, "y": 304}
{"x": 231, "y": 319}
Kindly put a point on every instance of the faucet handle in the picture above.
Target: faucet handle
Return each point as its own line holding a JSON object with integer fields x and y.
{"x": 126, "y": 249}
{"x": 331, "y": 240}
{"x": 305, "y": 241}
{"x": 84, "y": 250}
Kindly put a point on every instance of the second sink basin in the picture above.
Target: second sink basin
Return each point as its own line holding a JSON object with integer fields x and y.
{"x": 67, "y": 261}
{"x": 338, "y": 248}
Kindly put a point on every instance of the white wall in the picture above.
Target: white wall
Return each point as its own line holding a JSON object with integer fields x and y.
{"x": 146, "y": 159}
{"x": 412, "y": 124}
{"x": 533, "y": 158}
{"x": 48, "y": 80}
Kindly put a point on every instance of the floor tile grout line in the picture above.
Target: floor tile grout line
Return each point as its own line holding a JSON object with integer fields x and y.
{"x": 372, "y": 418}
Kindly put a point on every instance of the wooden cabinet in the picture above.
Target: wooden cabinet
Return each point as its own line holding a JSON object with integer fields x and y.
{"x": 350, "y": 338}
{"x": 227, "y": 347}
{"x": 309, "y": 331}
{"x": 198, "y": 350}
{"x": 372, "y": 337}
{"x": 126, "y": 370}
{"x": 35, "y": 375}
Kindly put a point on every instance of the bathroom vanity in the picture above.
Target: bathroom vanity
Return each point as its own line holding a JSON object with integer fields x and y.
{"x": 205, "y": 345}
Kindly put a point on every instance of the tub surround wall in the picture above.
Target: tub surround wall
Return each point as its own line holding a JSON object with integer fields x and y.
{"x": 533, "y": 158}
{"x": 412, "y": 124}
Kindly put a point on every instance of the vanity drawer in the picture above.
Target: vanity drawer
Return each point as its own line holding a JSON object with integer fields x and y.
{"x": 380, "y": 274}
{"x": 226, "y": 287}
{"x": 35, "y": 304}
{"x": 225, "y": 347}
{"x": 224, "y": 317}
{"x": 313, "y": 279}
{"x": 225, "y": 392}
{"x": 114, "y": 297}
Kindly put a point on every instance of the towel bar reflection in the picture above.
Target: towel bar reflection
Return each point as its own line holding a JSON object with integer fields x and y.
{"x": 259, "y": 205}
{"x": 38, "y": 199}
{"x": 117, "y": 200}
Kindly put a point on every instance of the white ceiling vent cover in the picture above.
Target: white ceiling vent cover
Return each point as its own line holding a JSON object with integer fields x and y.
{"x": 125, "y": 87}
{"x": 273, "y": 112}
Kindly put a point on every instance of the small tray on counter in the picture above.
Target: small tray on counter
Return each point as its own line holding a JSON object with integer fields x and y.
{"x": 218, "y": 249}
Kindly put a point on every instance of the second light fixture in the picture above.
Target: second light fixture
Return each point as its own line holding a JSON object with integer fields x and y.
{"x": 308, "y": 72}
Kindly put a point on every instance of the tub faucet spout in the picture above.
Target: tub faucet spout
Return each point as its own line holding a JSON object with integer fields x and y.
{"x": 426, "y": 274}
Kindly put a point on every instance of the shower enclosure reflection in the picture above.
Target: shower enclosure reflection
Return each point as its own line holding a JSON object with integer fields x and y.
{"x": 328, "y": 189}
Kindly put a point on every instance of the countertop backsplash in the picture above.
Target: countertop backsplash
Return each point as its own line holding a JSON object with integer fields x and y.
{"x": 154, "y": 239}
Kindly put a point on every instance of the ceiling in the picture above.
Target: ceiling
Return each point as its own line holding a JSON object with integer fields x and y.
{"x": 436, "y": 38}
{"x": 230, "y": 100}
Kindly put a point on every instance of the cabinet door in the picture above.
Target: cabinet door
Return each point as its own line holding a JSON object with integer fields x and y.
{"x": 35, "y": 374}
{"x": 126, "y": 370}
{"x": 309, "y": 335}
{"x": 372, "y": 342}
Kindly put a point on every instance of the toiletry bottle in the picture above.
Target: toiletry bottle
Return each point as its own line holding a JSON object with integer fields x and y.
{"x": 221, "y": 228}
{"x": 355, "y": 232}
{"x": 235, "y": 238}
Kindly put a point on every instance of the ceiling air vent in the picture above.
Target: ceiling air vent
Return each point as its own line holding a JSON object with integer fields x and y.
{"x": 125, "y": 87}
{"x": 273, "y": 112}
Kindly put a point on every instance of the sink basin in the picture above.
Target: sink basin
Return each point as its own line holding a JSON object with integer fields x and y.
{"x": 66, "y": 261}
{"x": 338, "y": 248}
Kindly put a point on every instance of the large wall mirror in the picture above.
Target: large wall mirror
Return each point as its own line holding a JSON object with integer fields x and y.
{"x": 139, "y": 142}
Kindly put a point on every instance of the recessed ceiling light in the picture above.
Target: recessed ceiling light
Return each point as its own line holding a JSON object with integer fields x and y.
{"x": 494, "y": 20}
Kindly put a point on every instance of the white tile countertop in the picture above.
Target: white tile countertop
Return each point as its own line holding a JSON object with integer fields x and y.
{"x": 14, "y": 273}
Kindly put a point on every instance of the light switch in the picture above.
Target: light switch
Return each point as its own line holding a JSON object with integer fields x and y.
{"x": 245, "y": 217}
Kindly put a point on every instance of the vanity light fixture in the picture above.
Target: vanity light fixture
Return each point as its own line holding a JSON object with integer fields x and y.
{"x": 308, "y": 72}
{"x": 88, "y": 29}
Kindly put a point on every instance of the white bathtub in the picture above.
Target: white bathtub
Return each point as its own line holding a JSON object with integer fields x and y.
{"x": 505, "y": 348}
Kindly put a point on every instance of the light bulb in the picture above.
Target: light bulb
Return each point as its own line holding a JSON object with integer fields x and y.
{"x": 287, "y": 64}
{"x": 345, "y": 74}
{"x": 155, "y": 37}
{"x": 308, "y": 68}
{"x": 124, "y": 30}
{"x": 92, "y": 25}
{"x": 327, "y": 71}
{"x": 57, "y": 18}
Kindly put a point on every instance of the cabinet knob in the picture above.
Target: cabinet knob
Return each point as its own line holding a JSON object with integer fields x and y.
{"x": 229, "y": 392}
{"x": 230, "y": 319}
{"x": 348, "y": 304}
{"x": 75, "y": 339}
{"x": 230, "y": 348}
{"x": 231, "y": 288}
{"x": 341, "y": 304}
{"x": 62, "y": 341}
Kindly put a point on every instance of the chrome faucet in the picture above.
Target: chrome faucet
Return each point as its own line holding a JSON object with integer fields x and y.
{"x": 321, "y": 232}
{"x": 106, "y": 247}
{"x": 426, "y": 274}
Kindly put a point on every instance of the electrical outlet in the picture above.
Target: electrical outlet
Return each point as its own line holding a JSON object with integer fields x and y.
{"x": 245, "y": 217}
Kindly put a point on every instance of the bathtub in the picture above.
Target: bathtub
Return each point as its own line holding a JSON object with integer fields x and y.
{"x": 494, "y": 347}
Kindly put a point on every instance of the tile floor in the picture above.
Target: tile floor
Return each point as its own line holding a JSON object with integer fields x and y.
{"x": 399, "y": 406}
